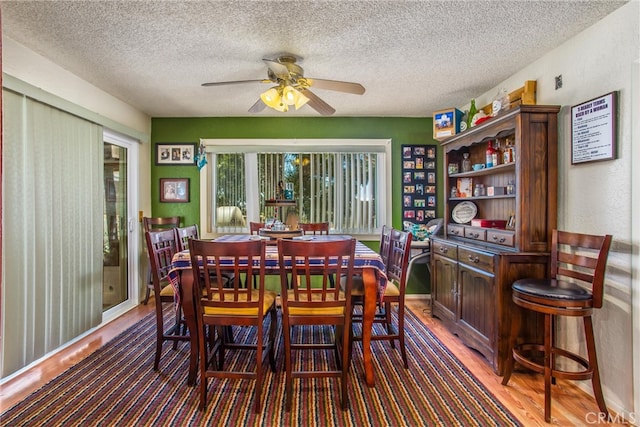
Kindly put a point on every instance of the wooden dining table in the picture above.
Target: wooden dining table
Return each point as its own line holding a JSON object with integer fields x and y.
{"x": 367, "y": 262}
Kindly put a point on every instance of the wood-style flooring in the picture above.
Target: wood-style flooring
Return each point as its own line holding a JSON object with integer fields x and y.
{"x": 524, "y": 396}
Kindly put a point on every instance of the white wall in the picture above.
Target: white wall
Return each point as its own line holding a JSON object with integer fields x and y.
{"x": 597, "y": 197}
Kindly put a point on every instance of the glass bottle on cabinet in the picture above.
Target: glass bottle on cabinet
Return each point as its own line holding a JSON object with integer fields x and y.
{"x": 466, "y": 163}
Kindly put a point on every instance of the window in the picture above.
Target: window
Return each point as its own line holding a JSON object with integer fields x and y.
{"x": 342, "y": 182}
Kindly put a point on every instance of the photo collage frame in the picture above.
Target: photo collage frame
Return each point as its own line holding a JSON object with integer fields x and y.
{"x": 419, "y": 181}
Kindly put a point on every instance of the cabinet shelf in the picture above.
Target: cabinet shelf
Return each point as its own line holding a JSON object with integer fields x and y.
{"x": 486, "y": 171}
{"x": 503, "y": 196}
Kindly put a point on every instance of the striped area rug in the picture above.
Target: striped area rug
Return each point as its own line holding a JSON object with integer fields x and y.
{"x": 116, "y": 385}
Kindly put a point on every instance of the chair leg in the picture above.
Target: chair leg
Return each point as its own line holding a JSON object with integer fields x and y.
{"x": 272, "y": 338}
{"x": 548, "y": 365}
{"x": 202, "y": 346}
{"x": 176, "y": 328}
{"x": 287, "y": 364}
{"x": 339, "y": 333}
{"x": 403, "y": 349}
{"x": 159, "y": 335}
{"x": 593, "y": 363}
{"x": 387, "y": 322}
{"x": 345, "y": 367}
{"x": 147, "y": 295}
{"x": 149, "y": 284}
{"x": 257, "y": 392}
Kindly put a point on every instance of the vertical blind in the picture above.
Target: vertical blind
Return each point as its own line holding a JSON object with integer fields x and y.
{"x": 52, "y": 242}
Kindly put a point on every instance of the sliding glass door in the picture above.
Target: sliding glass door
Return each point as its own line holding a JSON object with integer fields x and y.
{"x": 115, "y": 286}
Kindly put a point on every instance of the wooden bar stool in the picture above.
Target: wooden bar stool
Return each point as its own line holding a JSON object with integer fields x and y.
{"x": 575, "y": 288}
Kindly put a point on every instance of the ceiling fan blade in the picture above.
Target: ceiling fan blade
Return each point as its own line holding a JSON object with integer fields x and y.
{"x": 258, "y": 106}
{"x": 280, "y": 70}
{"x": 348, "y": 87}
{"x": 236, "y": 82}
{"x": 318, "y": 104}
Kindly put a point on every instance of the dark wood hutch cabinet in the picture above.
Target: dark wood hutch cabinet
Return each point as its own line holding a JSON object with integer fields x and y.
{"x": 473, "y": 267}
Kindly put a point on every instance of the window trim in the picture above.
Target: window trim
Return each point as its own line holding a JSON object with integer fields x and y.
{"x": 226, "y": 145}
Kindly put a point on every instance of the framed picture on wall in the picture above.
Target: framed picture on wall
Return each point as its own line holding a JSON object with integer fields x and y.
{"x": 175, "y": 154}
{"x": 174, "y": 190}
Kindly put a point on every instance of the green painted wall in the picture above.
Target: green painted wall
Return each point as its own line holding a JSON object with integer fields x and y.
{"x": 189, "y": 130}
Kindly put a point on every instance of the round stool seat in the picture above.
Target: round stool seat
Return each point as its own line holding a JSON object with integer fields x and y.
{"x": 552, "y": 289}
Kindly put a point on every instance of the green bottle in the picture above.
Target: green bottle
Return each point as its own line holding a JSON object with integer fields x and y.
{"x": 472, "y": 112}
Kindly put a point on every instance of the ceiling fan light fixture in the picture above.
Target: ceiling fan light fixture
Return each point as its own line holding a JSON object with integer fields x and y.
{"x": 292, "y": 96}
{"x": 271, "y": 97}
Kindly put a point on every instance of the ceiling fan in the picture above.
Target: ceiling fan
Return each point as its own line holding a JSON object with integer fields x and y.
{"x": 292, "y": 88}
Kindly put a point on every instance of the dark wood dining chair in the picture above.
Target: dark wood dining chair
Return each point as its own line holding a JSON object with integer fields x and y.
{"x": 314, "y": 228}
{"x": 394, "y": 295}
{"x": 575, "y": 288}
{"x": 162, "y": 245}
{"x": 156, "y": 224}
{"x": 307, "y": 266}
{"x": 254, "y": 227}
{"x": 383, "y": 250}
{"x": 183, "y": 234}
{"x": 160, "y": 223}
{"x": 220, "y": 306}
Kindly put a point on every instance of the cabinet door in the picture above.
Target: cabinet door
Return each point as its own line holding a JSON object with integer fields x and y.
{"x": 477, "y": 311}
{"x": 444, "y": 287}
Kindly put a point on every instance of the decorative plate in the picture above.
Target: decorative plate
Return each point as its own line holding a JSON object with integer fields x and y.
{"x": 464, "y": 212}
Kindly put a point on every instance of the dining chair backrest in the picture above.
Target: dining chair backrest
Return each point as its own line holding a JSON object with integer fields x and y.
{"x": 183, "y": 234}
{"x": 314, "y": 227}
{"x": 385, "y": 244}
{"x": 160, "y": 223}
{"x": 162, "y": 245}
{"x": 157, "y": 224}
{"x": 254, "y": 227}
{"x": 240, "y": 258}
{"x": 399, "y": 254}
{"x": 307, "y": 267}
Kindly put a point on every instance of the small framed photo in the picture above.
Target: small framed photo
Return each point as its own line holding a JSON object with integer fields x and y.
{"x": 175, "y": 154}
{"x": 409, "y": 164}
{"x": 174, "y": 190}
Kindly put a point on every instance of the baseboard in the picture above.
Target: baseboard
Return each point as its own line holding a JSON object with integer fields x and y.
{"x": 417, "y": 297}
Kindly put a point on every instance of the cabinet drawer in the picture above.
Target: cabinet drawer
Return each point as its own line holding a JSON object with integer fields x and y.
{"x": 503, "y": 238}
{"x": 481, "y": 260}
{"x": 455, "y": 230}
{"x": 445, "y": 249}
{"x": 475, "y": 233}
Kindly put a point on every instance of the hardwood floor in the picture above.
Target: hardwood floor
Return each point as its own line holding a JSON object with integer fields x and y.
{"x": 524, "y": 396}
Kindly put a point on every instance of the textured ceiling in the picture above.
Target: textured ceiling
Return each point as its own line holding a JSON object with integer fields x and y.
{"x": 413, "y": 57}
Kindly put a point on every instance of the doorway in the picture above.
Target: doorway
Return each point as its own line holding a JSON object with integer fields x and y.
{"x": 119, "y": 241}
{"x": 115, "y": 286}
